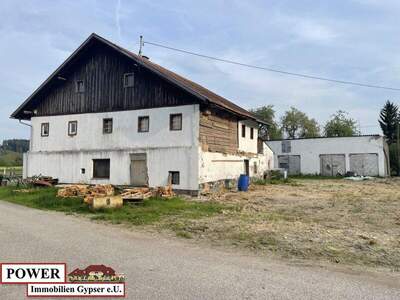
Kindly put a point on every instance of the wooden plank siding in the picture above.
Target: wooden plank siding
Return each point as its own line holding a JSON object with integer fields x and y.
{"x": 102, "y": 70}
{"x": 218, "y": 131}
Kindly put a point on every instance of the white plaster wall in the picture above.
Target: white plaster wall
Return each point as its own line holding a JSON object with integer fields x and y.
{"x": 63, "y": 157}
{"x": 125, "y": 133}
{"x": 247, "y": 144}
{"x": 215, "y": 166}
{"x": 310, "y": 149}
{"x": 66, "y": 166}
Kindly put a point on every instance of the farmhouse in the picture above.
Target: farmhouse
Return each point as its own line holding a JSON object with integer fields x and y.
{"x": 366, "y": 155}
{"x": 107, "y": 115}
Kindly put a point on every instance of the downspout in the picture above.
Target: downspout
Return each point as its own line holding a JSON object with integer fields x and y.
{"x": 25, "y": 167}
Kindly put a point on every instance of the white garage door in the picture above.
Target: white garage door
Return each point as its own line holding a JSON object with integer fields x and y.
{"x": 365, "y": 164}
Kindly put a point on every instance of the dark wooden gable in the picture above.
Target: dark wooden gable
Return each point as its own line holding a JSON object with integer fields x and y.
{"x": 102, "y": 70}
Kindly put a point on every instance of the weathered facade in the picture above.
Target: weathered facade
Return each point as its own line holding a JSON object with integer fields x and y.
{"x": 107, "y": 115}
{"x": 364, "y": 155}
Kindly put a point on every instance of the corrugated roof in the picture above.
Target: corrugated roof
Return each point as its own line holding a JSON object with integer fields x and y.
{"x": 325, "y": 137}
{"x": 197, "y": 90}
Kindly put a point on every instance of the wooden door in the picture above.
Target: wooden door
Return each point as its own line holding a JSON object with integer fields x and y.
{"x": 139, "y": 176}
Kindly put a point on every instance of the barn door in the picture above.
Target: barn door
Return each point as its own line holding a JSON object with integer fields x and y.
{"x": 365, "y": 164}
{"x": 332, "y": 164}
{"x": 138, "y": 169}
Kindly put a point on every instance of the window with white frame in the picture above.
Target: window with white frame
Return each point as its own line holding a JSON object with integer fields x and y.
{"x": 143, "y": 124}
{"x": 72, "y": 128}
{"x": 45, "y": 129}
{"x": 107, "y": 125}
{"x": 175, "y": 122}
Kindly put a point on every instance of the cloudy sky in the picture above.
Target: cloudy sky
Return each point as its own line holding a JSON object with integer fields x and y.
{"x": 356, "y": 40}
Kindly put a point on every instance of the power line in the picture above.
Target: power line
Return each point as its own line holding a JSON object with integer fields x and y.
{"x": 274, "y": 70}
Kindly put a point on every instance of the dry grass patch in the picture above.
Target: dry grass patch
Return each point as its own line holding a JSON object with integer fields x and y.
{"x": 336, "y": 220}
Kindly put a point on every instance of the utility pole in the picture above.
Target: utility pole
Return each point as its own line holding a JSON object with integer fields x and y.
{"x": 141, "y": 45}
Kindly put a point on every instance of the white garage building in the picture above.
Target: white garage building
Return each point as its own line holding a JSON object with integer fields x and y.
{"x": 366, "y": 155}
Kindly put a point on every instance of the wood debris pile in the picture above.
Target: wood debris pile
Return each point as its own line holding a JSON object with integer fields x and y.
{"x": 144, "y": 193}
{"x": 137, "y": 194}
{"x": 106, "y": 190}
{"x": 86, "y": 191}
{"x": 165, "y": 191}
{"x": 78, "y": 190}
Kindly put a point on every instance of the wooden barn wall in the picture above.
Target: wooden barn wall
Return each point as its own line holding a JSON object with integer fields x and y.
{"x": 102, "y": 71}
{"x": 218, "y": 131}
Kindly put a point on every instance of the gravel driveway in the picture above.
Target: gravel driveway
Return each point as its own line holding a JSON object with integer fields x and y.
{"x": 161, "y": 268}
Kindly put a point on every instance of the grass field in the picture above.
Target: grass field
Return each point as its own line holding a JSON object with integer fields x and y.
{"x": 337, "y": 221}
{"x": 155, "y": 210}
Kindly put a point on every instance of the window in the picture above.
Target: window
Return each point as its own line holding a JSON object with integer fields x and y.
{"x": 251, "y": 133}
{"x": 255, "y": 168}
{"x": 101, "y": 168}
{"x": 45, "y": 129}
{"x": 129, "y": 80}
{"x": 143, "y": 124}
{"x": 173, "y": 177}
{"x": 286, "y": 147}
{"x": 80, "y": 86}
{"x": 243, "y": 130}
{"x": 72, "y": 128}
{"x": 107, "y": 125}
{"x": 83, "y": 171}
{"x": 175, "y": 122}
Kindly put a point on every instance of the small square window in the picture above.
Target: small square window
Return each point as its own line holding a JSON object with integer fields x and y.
{"x": 107, "y": 125}
{"x": 80, "y": 86}
{"x": 45, "y": 128}
{"x": 251, "y": 133}
{"x": 129, "y": 80}
{"x": 83, "y": 171}
{"x": 143, "y": 124}
{"x": 243, "y": 130}
{"x": 173, "y": 177}
{"x": 72, "y": 128}
{"x": 175, "y": 122}
{"x": 101, "y": 168}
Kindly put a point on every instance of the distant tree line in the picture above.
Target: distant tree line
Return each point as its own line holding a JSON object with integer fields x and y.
{"x": 15, "y": 145}
{"x": 11, "y": 152}
{"x": 296, "y": 124}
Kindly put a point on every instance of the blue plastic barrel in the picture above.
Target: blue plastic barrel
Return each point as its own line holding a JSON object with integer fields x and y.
{"x": 243, "y": 183}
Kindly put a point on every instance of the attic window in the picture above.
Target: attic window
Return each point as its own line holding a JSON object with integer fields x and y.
{"x": 129, "y": 80}
{"x": 80, "y": 86}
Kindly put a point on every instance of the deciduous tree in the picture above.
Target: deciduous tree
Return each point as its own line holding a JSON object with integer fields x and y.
{"x": 340, "y": 124}
{"x": 297, "y": 124}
